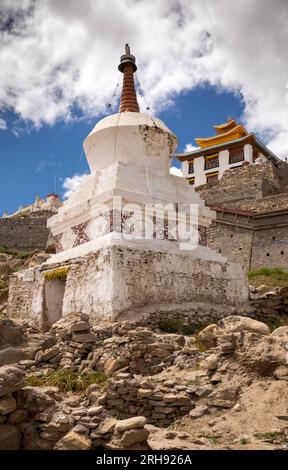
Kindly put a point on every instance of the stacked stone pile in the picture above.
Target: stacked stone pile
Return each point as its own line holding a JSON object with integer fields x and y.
{"x": 74, "y": 344}
{"x": 41, "y": 418}
{"x": 155, "y": 379}
{"x": 160, "y": 403}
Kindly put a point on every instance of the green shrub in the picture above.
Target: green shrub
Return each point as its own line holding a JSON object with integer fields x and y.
{"x": 25, "y": 254}
{"x": 7, "y": 251}
{"x": 17, "y": 254}
{"x": 268, "y": 435}
{"x": 172, "y": 325}
{"x": 68, "y": 380}
{"x": 199, "y": 344}
{"x": 212, "y": 437}
{"x": 243, "y": 441}
{"x": 3, "y": 284}
{"x": 274, "y": 323}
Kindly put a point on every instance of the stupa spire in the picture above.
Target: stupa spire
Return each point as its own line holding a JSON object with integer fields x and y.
{"x": 127, "y": 66}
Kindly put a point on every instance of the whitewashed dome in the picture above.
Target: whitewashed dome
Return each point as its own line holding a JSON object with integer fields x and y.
{"x": 130, "y": 137}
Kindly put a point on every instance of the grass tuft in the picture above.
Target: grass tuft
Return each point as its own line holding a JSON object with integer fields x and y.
{"x": 215, "y": 438}
{"x": 243, "y": 441}
{"x": 270, "y": 435}
{"x": 68, "y": 380}
{"x": 273, "y": 277}
{"x": 58, "y": 273}
{"x": 16, "y": 254}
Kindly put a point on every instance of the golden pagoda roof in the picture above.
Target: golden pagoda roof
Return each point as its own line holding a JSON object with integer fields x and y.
{"x": 227, "y": 126}
{"x": 226, "y": 132}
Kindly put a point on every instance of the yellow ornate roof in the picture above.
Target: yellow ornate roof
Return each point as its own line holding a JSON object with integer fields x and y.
{"x": 226, "y": 132}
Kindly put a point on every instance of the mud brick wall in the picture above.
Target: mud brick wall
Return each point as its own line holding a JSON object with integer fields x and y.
{"x": 24, "y": 233}
{"x": 252, "y": 248}
{"x": 233, "y": 242}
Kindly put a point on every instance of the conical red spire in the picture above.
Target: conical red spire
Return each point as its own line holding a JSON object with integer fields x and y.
{"x": 127, "y": 66}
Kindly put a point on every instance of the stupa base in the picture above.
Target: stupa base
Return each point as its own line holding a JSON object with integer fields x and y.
{"x": 107, "y": 283}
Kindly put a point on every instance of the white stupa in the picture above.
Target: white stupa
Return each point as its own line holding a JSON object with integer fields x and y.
{"x": 119, "y": 253}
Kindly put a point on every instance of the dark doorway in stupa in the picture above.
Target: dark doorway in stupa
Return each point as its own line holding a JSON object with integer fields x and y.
{"x": 54, "y": 290}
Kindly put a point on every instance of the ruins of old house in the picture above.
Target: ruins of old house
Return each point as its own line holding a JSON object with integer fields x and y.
{"x": 252, "y": 215}
{"x": 26, "y": 229}
{"x": 122, "y": 239}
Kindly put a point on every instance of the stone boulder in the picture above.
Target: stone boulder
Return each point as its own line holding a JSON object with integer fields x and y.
{"x": 76, "y": 325}
{"x": 259, "y": 353}
{"x": 73, "y": 441}
{"x": 10, "y": 437}
{"x": 10, "y": 334}
{"x": 35, "y": 399}
{"x": 236, "y": 323}
{"x": 36, "y": 259}
{"x": 134, "y": 436}
{"x": 112, "y": 364}
{"x": 7, "y": 405}
{"x": 107, "y": 426}
{"x": 212, "y": 362}
{"x": 280, "y": 333}
{"x": 130, "y": 423}
{"x": 208, "y": 336}
{"x": 129, "y": 433}
{"x": 11, "y": 379}
{"x": 13, "y": 355}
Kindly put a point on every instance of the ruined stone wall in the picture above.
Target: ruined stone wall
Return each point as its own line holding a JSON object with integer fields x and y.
{"x": 25, "y": 300}
{"x": 231, "y": 241}
{"x": 24, "y": 233}
{"x": 246, "y": 183}
{"x": 270, "y": 248}
{"x": 160, "y": 405}
{"x": 252, "y": 247}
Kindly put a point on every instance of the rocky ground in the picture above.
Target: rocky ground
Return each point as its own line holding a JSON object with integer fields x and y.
{"x": 118, "y": 385}
{"x": 123, "y": 385}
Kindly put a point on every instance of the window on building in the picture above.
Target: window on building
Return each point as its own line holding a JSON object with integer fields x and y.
{"x": 211, "y": 161}
{"x": 191, "y": 181}
{"x": 236, "y": 155}
{"x": 191, "y": 167}
{"x": 211, "y": 178}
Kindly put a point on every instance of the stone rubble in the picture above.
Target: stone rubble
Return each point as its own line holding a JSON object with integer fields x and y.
{"x": 188, "y": 385}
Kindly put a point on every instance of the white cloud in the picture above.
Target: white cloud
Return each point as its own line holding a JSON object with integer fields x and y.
{"x": 71, "y": 183}
{"x": 190, "y": 148}
{"x": 175, "y": 171}
{"x": 54, "y": 55}
{"x": 3, "y": 124}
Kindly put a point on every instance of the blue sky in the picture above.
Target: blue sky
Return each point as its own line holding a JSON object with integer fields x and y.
{"x": 59, "y": 61}
{"x": 30, "y": 161}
